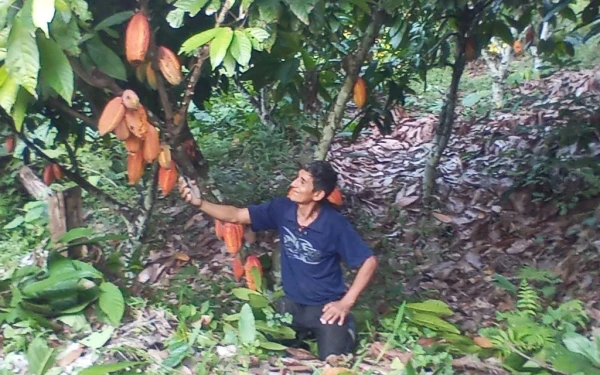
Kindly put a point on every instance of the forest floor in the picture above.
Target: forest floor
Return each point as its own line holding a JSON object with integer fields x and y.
{"x": 518, "y": 197}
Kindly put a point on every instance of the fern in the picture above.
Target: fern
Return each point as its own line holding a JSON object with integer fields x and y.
{"x": 567, "y": 316}
{"x": 528, "y": 302}
{"x": 535, "y": 274}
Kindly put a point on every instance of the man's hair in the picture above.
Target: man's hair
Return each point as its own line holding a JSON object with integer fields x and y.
{"x": 324, "y": 176}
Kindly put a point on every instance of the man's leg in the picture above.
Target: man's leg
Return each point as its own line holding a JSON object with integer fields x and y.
{"x": 332, "y": 338}
{"x": 286, "y": 305}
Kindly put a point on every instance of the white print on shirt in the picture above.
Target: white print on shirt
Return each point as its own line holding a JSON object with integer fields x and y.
{"x": 300, "y": 249}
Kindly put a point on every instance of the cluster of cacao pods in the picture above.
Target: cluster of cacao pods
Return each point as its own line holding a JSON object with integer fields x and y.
{"x": 334, "y": 198}
{"x": 360, "y": 92}
{"x": 137, "y": 42}
{"x": 9, "y": 144}
{"x": 233, "y": 236}
{"x": 52, "y": 172}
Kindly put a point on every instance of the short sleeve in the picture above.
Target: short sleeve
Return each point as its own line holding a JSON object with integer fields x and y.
{"x": 351, "y": 247}
{"x": 266, "y": 216}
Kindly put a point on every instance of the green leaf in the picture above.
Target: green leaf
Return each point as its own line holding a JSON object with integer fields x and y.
{"x": 229, "y": 65}
{"x": 177, "y": 354}
{"x": 175, "y": 18}
{"x": 19, "y": 112}
{"x": 281, "y": 332}
{"x": 241, "y": 48}
{"x": 191, "y": 6}
{"x": 502, "y": 31}
{"x": 433, "y": 322}
{"x": 22, "y": 56}
{"x": 115, "y": 19}
{"x": 362, "y": 5}
{"x": 431, "y": 306}
{"x": 108, "y": 368}
{"x": 105, "y": 58}
{"x": 8, "y": 91}
{"x": 301, "y": 8}
{"x": 17, "y": 221}
{"x": 245, "y": 5}
{"x": 244, "y": 293}
{"x": 219, "y": 46}
{"x": 40, "y": 357}
{"x": 272, "y": 345}
{"x": 67, "y": 35}
{"x": 258, "y": 301}
{"x": 111, "y": 302}
{"x": 76, "y": 233}
{"x": 97, "y": 340}
{"x": 257, "y": 33}
{"x": 247, "y": 325}
{"x": 80, "y": 8}
{"x": 56, "y": 71}
{"x": 472, "y": 99}
{"x": 579, "y": 344}
{"x": 42, "y": 14}
{"x": 198, "y": 40}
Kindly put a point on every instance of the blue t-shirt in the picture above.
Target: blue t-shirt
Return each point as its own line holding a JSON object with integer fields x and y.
{"x": 311, "y": 272}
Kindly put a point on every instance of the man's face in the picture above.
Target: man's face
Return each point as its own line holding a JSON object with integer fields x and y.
{"x": 302, "y": 188}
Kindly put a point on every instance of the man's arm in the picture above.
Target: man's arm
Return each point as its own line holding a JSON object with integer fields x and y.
{"x": 362, "y": 279}
{"x": 191, "y": 194}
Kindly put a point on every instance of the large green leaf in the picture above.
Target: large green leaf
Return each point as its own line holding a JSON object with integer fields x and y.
{"x": 436, "y": 307}
{"x": 198, "y": 40}
{"x": 8, "y": 90}
{"x": 56, "y": 71}
{"x": 22, "y": 56}
{"x": 219, "y": 46}
{"x": 191, "y": 6}
{"x": 40, "y": 357}
{"x": 247, "y": 325}
{"x": 115, "y": 19}
{"x": 67, "y": 35}
{"x": 272, "y": 345}
{"x": 106, "y": 59}
{"x": 20, "y": 108}
{"x": 301, "y": 8}
{"x": 42, "y": 14}
{"x": 108, "y": 368}
{"x": 241, "y": 48}
{"x": 111, "y": 302}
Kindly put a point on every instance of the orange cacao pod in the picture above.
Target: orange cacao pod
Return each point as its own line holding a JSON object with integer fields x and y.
{"x": 169, "y": 66}
{"x": 111, "y": 116}
{"x": 137, "y": 39}
{"x": 167, "y": 179}
{"x": 233, "y": 236}
{"x": 57, "y": 172}
{"x": 336, "y": 197}
{"x": 134, "y": 144}
{"x": 251, "y": 262}
{"x": 470, "y": 50}
{"x": 151, "y": 76}
{"x": 517, "y": 47}
{"x": 48, "y": 175}
{"x": 135, "y": 167}
{"x": 238, "y": 268}
{"x": 219, "y": 229}
{"x": 130, "y": 99}
{"x": 122, "y": 131}
{"x": 10, "y": 144}
{"x": 164, "y": 158}
{"x": 137, "y": 121}
{"x": 151, "y": 147}
{"x": 360, "y": 92}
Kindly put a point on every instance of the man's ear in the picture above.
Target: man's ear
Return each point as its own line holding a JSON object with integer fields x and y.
{"x": 318, "y": 195}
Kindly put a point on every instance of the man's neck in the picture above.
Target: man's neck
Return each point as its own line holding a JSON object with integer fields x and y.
{"x": 308, "y": 212}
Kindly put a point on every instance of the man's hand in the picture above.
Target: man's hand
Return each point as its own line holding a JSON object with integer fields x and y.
{"x": 190, "y": 191}
{"x": 335, "y": 311}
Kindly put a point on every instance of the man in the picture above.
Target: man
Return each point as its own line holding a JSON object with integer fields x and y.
{"x": 314, "y": 238}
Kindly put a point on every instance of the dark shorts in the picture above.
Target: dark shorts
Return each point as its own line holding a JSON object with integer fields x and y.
{"x": 331, "y": 338}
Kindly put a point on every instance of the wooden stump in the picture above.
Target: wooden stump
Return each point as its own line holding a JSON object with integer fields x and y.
{"x": 64, "y": 207}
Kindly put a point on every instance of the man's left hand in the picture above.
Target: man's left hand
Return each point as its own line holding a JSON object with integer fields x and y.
{"x": 334, "y": 311}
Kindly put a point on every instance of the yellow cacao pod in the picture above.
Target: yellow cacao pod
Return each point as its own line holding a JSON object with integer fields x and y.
{"x": 111, "y": 116}
{"x": 151, "y": 76}
{"x": 169, "y": 65}
{"x": 137, "y": 39}
{"x": 151, "y": 147}
{"x": 164, "y": 158}
{"x": 137, "y": 121}
{"x": 135, "y": 167}
{"x": 130, "y": 99}
{"x": 360, "y": 92}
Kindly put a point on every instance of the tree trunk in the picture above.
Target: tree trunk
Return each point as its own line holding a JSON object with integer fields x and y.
{"x": 64, "y": 208}
{"x": 499, "y": 69}
{"x": 336, "y": 113}
{"x": 537, "y": 61}
{"x": 444, "y": 129}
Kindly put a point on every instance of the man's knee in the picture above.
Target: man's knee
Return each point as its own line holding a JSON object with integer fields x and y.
{"x": 336, "y": 339}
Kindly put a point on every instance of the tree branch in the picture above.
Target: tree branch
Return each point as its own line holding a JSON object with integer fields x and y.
{"x": 439, "y": 42}
{"x": 120, "y": 207}
{"x": 191, "y": 85}
{"x": 96, "y": 78}
{"x": 57, "y": 104}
